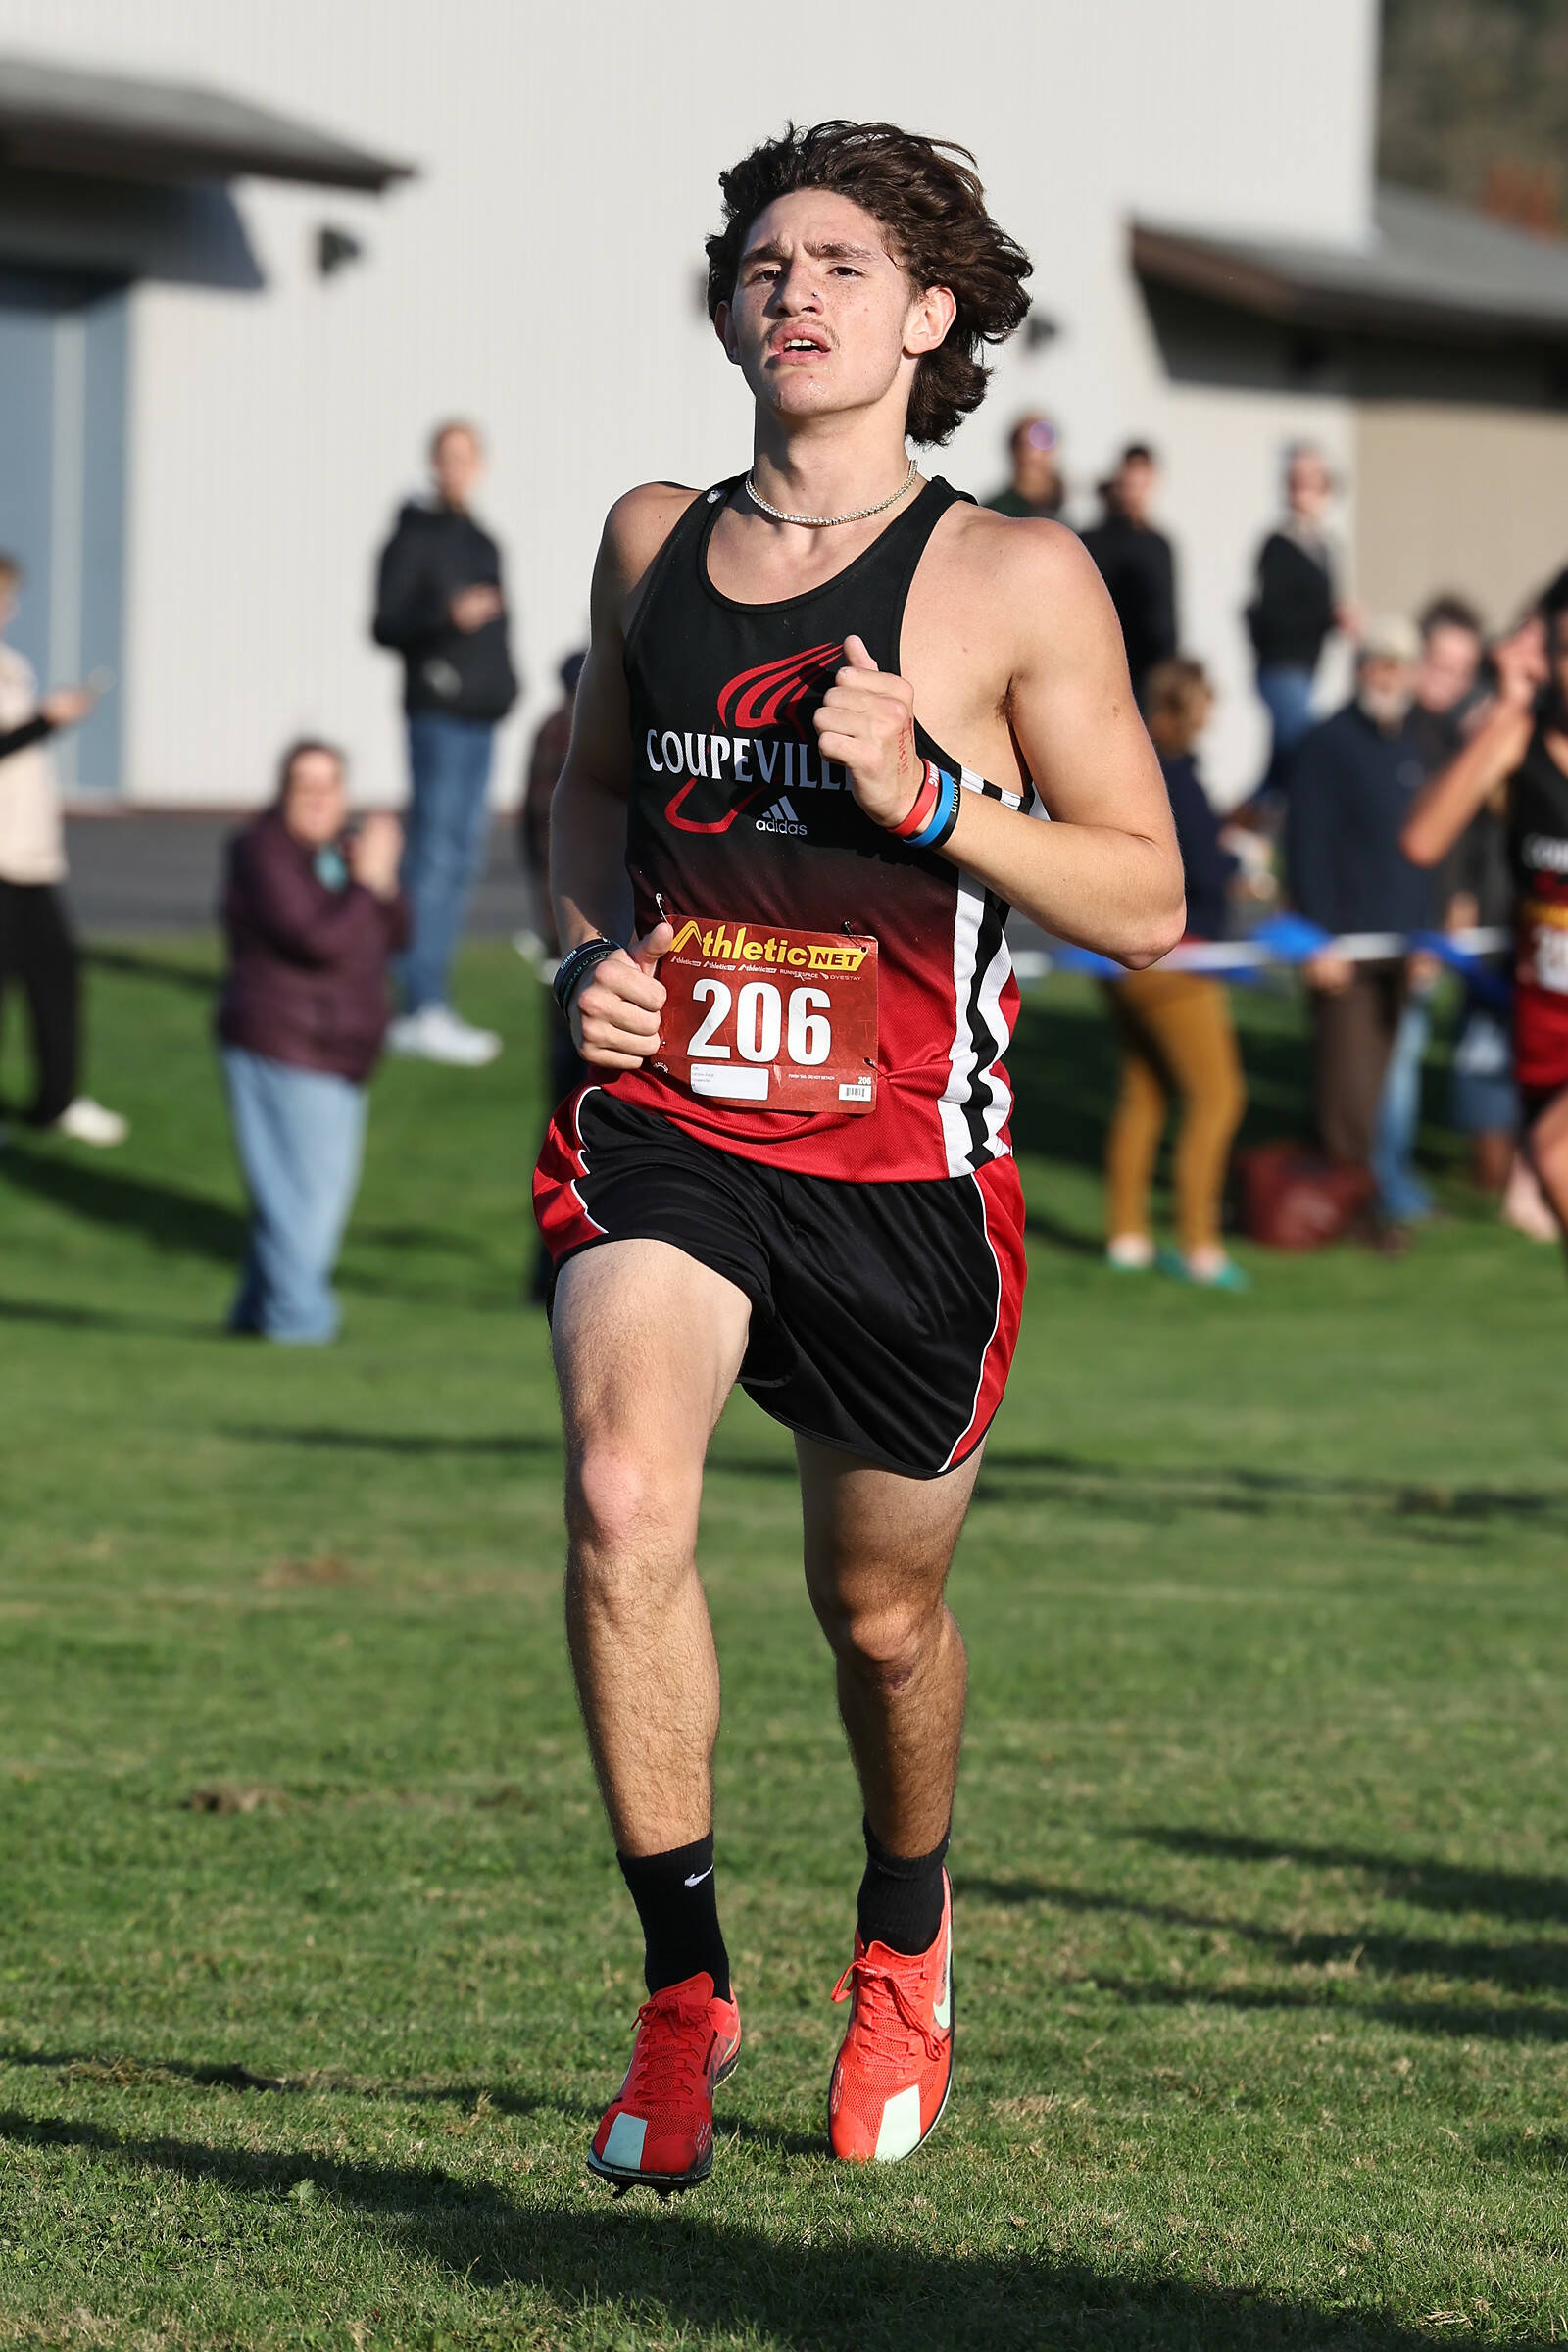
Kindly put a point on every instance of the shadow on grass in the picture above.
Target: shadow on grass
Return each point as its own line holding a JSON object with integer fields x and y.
{"x": 414, "y": 1444}
{"x": 421, "y": 1237}
{"x": 1356, "y": 1957}
{"x": 121, "y": 2071}
{"x": 1009, "y": 1475}
{"x": 164, "y": 1215}
{"x": 153, "y": 967}
{"x": 684, "y": 2270}
{"x": 1434, "y": 1884}
{"x": 95, "y": 1319}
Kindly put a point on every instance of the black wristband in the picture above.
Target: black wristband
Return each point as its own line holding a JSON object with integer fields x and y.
{"x": 944, "y": 832}
{"x": 574, "y": 967}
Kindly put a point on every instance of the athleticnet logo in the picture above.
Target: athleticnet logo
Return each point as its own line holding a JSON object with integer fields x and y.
{"x": 780, "y": 818}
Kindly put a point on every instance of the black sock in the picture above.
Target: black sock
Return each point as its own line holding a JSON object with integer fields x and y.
{"x": 900, "y": 1898}
{"x": 679, "y": 1907}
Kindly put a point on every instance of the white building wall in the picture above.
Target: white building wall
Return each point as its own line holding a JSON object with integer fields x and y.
{"x": 541, "y": 274}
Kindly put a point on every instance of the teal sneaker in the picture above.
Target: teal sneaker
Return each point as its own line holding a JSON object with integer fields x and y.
{"x": 1228, "y": 1277}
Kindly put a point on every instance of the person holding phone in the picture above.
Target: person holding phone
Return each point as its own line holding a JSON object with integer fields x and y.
{"x": 314, "y": 916}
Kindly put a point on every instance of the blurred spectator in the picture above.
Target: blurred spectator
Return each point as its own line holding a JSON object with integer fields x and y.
{"x": 1515, "y": 761}
{"x": 1136, "y": 562}
{"x": 440, "y": 604}
{"x": 1175, "y": 1029}
{"x": 1446, "y": 688}
{"x": 565, "y": 1069}
{"x": 1447, "y": 680}
{"x": 546, "y": 759}
{"x": 1294, "y": 607}
{"x": 1353, "y": 780}
{"x": 1036, "y": 492}
{"x": 36, "y": 946}
{"x": 313, "y": 915}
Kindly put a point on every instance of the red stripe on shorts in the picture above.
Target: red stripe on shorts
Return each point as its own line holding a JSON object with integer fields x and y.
{"x": 558, "y": 1204}
{"x": 1001, "y": 1205}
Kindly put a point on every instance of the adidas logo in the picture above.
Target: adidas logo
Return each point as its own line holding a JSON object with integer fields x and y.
{"x": 780, "y": 818}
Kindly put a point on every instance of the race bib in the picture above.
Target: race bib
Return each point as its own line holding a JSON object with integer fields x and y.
{"x": 767, "y": 1019}
{"x": 1546, "y": 930}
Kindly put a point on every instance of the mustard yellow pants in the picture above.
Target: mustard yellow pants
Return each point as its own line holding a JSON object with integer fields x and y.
{"x": 1176, "y": 1038}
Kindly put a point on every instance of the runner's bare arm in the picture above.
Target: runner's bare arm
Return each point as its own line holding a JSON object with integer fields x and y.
{"x": 1106, "y": 874}
{"x": 1444, "y": 806}
{"x": 614, "y": 1013}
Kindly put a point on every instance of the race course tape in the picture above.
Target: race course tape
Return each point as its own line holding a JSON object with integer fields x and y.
{"x": 1288, "y": 940}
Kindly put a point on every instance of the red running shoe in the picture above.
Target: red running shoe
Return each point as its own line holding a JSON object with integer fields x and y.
{"x": 895, "y": 2066}
{"x": 659, "y": 2133}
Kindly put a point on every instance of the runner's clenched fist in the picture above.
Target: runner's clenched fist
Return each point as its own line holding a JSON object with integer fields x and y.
{"x": 866, "y": 723}
{"x": 614, "y": 1013}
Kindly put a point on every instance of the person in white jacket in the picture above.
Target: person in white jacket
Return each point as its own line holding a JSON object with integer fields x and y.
{"x": 37, "y": 944}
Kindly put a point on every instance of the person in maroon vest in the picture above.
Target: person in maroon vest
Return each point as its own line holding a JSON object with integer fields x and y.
{"x": 313, "y": 915}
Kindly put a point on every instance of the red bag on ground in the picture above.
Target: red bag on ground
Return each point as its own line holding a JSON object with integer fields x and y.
{"x": 1296, "y": 1200}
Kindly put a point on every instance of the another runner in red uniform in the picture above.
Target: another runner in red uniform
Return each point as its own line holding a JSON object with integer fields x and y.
{"x": 824, "y": 706}
{"x": 1517, "y": 760}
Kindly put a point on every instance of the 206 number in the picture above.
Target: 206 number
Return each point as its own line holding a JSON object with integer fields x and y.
{"x": 761, "y": 1021}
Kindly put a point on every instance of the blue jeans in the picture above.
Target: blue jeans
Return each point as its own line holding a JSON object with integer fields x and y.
{"x": 1401, "y": 1195}
{"x": 1484, "y": 1099}
{"x": 299, "y": 1136}
{"x": 1286, "y": 695}
{"x": 449, "y": 760}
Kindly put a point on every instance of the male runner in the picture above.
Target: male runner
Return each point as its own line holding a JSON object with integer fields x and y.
{"x": 795, "y": 1171}
{"x": 1516, "y": 762}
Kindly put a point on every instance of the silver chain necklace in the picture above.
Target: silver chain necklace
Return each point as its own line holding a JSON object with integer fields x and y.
{"x": 829, "y": 522}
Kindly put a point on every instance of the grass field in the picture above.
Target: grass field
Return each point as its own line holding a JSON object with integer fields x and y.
{"x": 315, "y": 1968}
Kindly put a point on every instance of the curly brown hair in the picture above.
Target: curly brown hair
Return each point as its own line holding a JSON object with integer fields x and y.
{"x": 927, "y": 197}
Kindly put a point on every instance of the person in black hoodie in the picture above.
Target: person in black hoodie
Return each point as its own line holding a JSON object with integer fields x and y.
{"x": 1136, "y": 564}
{"x": 440, "y": 604}
{"x": 1295, "y": 609}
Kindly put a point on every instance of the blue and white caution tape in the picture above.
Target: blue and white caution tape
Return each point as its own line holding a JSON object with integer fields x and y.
{"x": 1288, "y": 940}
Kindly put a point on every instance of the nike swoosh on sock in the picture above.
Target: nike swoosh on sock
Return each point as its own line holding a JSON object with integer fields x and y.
{"x": 701, "y": 1876}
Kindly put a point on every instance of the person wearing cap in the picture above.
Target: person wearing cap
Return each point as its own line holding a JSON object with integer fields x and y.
{"x": 1036, "y": 492}
{"x": 1353, "y": 784}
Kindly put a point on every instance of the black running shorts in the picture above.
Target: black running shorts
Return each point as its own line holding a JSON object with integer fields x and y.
{"x": 884, "y": 1316}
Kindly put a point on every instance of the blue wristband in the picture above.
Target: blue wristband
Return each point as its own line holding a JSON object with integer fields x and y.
{"x": 944, "y": 817}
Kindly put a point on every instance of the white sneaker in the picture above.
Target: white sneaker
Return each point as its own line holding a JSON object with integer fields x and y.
{"x": 435, "y": 1033}
{"x": 87, "y": 1122}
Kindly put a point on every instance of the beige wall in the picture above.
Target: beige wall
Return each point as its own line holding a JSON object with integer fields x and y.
{"x": 1454, "y": 496}
{"x": 541, "y": 273}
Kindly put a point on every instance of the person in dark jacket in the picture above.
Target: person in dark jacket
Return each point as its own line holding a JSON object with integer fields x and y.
{"x": 312, "y": 916}
{"x": 1175, "y": 1030}
{"x": 1136, "y": 564}
{"x": 1445, "y": 693}
{"x": 1354, "y": 781}
{"x": 441, "y": 605}
{"x": 1294, "y": 608}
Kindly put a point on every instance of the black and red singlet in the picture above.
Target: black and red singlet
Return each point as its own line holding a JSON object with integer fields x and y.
{"x": 734, "y": 816}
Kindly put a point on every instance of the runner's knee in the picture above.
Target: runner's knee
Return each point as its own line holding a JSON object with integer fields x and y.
{"x": 624, "y": 1508}
{"x": 883, "y": 1642}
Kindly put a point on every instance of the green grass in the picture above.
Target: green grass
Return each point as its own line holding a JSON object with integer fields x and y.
{"x": 1262, "y": 1856}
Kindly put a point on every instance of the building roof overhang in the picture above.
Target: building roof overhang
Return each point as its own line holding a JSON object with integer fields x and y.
{"x": 1432, "y": 271}
{"x": 61, "y": 119}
